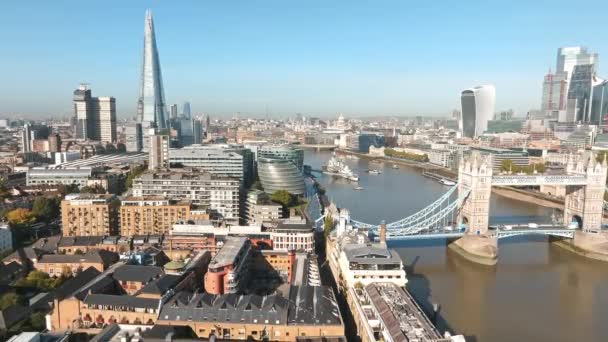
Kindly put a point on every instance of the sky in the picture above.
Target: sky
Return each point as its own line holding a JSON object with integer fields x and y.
{"x": 316, "y": 57}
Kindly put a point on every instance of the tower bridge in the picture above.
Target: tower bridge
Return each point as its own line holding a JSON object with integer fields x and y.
{"x": 462, "y": 213}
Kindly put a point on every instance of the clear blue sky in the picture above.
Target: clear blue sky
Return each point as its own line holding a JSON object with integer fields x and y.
{"x": 315, "y": 57}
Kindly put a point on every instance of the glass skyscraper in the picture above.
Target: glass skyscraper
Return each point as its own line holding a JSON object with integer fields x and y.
{"x": 477, "y": 109}
{"x": 151, "y": 106}
{"x": 579, "y": 93}
{"x": 599, "y": 104}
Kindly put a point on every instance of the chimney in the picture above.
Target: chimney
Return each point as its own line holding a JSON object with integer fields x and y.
{"x": 383, "y": 232}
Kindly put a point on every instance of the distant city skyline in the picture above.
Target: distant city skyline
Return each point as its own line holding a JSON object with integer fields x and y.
{"x": 317, "y": 59}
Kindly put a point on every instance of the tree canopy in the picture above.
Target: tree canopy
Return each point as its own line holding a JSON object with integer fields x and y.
{"x": 10, "y": 299}
{"x": 389, "y": 152}
{"x": 97, "y": 189}
{"x": 328, "y": 225}
{"x": 19, "y": 216}
{"x": 42, "y": 281}
{"x": 134, "y": 173}
{"x": 45, "y": 209}
{"x": 507, "y": 165}
{"x": 283, "y": 197}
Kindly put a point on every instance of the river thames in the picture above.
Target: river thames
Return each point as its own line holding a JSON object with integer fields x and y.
{"x": 536, "y": 292}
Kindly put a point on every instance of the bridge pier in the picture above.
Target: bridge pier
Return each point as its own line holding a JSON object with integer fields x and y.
{"x": 481, "y": 249}
{"x": 591, "y": 245}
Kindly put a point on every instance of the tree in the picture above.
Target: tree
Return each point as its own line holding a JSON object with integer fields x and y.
{"x": 507, "y": 165}
{"x": 97, "y": 189}
{"x": 41, "y": 280}
{"x": 45, "y": 209}
{"x": 328, "y": 225}
{"x": 38, "y": 321}
{"x": 134, "y": 173}
{"x": 389, "y": 152}
{"x": 282, "y": 197}
{"x": 19, "y": 216}
{"x": 10, "y": 299}
{"x": 68, "y": 189}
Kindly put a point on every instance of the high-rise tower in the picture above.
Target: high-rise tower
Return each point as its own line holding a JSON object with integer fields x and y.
{"x": 95, "y": 116}
{"x": 186, "y": 111}
{"x": 151, "y": 107}
{"x": 477, "y": 108}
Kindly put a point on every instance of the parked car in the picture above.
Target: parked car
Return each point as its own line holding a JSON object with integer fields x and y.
{"x": 573, "y": 225}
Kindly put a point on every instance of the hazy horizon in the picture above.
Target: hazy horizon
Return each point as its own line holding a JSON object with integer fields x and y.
{"x": 318, "y": 59}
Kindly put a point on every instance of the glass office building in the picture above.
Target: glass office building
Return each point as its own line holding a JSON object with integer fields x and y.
{"x": 477, "y": 109}
{"x": 579, "y": 93}
{"x": 280, "y": 174}
{"x": 284, "y": 152}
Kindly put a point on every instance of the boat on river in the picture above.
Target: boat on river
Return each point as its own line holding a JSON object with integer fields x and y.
{"x": 336, "y": 167}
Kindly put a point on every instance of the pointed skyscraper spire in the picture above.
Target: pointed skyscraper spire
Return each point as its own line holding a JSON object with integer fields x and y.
{"x": 151, "y": 106}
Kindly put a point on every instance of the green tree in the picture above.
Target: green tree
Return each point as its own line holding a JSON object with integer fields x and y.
{"x": 328, "y": 225}
{"x": 68, "y": 189}
{"x": 9, "y": 299}
{"x": 507, "y": 165}
{"x": 389, "y": 152}
{"x": 45, "y": 209}
{"x": 134, "y": 173}
{"x": 92, "y": 190}
{"x": 282, "y": 197}
{"x": 41, "y": 280}
{"x": 38, "y": 321}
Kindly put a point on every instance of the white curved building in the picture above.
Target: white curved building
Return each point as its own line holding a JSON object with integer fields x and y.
{"x": 477, "y": 108}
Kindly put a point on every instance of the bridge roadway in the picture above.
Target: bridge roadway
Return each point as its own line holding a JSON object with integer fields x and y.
{"x": 495, "y": 231}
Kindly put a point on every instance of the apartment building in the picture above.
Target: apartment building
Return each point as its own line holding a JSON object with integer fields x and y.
{"x": 89, "y": 215}
{"x": 261, "y": 209}
{"x": 293, "y": 234}
{"x": 151, "y": 215}
{"x": 229, "y": 269}
{"x": 218, "y": 193}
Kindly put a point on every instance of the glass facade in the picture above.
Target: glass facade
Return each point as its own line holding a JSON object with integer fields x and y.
{"x": 579, "y": 92}
{"x": 599, "y": 104}
{"x": 367, "y": 140}
{"x": 502, "y": 126}
{"x": 280, "y": 174}
{"x": 151, "y": 106}
{"x": 477, "y": 108}
{"x": 285, "y": 152}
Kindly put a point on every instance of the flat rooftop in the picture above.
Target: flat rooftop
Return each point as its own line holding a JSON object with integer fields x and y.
{"x": 108, "y": 159}
{"x": 401, "y": 315}
{"x": 229, "y": 251}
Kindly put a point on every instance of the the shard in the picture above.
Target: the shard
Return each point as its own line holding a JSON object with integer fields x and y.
{"x": 151, "y": 106}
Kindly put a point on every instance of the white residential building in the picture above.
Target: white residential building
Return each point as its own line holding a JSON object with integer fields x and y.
{"x": 212, "y": 191}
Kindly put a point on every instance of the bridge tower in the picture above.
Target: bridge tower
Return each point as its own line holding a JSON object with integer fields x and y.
{"x": 475, "y": 174}
{"x": 585, "y": 203}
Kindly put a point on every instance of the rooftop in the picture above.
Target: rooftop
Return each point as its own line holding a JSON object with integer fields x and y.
{"x": 137, "y": 273}
{"x": 371, "y": 254}
{"x": 121, "y": 300}
{"x": 229, "y": 251}
{"x": 98, "y": 256}
{"x": 304, "y": 305}
{"x": 185, "y": 174}
{"x": 400, "y": 314}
